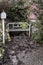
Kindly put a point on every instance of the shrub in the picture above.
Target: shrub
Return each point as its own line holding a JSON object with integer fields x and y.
{"x": 38, "y": 35}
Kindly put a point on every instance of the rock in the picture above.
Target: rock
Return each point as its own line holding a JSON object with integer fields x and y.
{"x": 14, "y": 60}
{"x": 21, "y": 55}
{"x": 31, "y": 43}
{"x": 11, "y": 52}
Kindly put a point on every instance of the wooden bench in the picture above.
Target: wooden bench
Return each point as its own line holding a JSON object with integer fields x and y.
{"x": 17, "y": 26}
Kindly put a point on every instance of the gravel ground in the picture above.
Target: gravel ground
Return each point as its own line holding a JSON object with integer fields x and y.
{"x": 22, "y": 51}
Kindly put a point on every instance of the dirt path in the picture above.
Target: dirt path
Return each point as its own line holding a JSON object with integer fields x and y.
{"x": 22, "y": 51}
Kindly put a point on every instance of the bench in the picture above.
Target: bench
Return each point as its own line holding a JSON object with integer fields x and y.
{"x": 17, "y": 26}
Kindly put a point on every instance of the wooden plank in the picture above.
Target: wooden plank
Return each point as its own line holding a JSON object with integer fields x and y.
{"x": 18, "y": 30}
{"x": 16, "y": 23}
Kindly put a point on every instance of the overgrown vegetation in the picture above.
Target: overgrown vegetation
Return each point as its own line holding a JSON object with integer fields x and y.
{"x": 38, "y": 35}
{"x": 18, "y": 11}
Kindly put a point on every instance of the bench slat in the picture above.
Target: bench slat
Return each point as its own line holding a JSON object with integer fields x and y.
{"x": 18, "y": 30}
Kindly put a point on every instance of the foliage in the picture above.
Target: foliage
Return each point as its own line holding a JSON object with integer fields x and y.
{"x": 24, "y": 25}
{"x": 38, "y": 34}
{"x": 1, "y": 53}
{"x": 18, "y": 11}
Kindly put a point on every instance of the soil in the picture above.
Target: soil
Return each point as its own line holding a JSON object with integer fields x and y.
{"x": 22, "y": 51}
